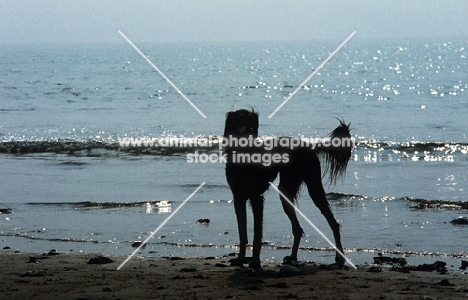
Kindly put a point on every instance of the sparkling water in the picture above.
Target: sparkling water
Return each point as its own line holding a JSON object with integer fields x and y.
{"x": 69, "y": 183}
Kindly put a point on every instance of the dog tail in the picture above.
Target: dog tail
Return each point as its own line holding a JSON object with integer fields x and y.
{"x": 337, "y": 151}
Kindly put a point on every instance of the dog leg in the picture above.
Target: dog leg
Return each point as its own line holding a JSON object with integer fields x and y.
{"x": 313, "y": 180}
{"x": 317, "y": 193}
{"x": 241, "y": 214}
{"x": 257, "y": 208}
{"x": 289, "y": 189}
{"x": 326, "y": 211}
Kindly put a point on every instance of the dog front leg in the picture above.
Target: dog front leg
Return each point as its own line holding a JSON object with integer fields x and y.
{"x": 241, "y": 215}
{"x": 257, "y": 208}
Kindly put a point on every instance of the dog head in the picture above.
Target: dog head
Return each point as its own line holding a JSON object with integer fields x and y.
{"x": 241, "y": 123}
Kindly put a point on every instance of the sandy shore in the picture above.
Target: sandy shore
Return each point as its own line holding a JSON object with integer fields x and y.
{"x": 71, "y": 276}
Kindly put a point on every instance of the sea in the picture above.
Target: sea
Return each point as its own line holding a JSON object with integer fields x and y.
{"x": 71, "y": 180}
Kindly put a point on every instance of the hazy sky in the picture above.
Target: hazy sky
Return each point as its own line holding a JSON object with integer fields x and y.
{"x": 204, "y": 20}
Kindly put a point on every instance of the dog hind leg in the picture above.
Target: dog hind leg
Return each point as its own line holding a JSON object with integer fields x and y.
{"x": 289, "y": 186}
{"x": 335, "y": 227}
{"x": 317, "y": 193}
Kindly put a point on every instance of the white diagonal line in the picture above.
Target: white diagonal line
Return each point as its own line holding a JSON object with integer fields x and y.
{"x": 313, "y": 225}
{"x": 160, "y": 226}
{"x": 311, "y": 75}
{"x": 162, "y": 74}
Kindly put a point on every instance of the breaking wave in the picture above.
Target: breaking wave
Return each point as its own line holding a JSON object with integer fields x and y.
{"x": 369, "y": 151}
{"x": 98, "y": 205}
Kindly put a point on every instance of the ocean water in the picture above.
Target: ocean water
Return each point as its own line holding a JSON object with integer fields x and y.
{"x": 70, "y": 184}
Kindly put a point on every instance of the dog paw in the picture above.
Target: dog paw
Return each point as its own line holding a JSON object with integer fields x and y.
{"x": 237, "y": 262}
{"x": 255, "y": 265}
{"x": 340, "y": 262}
{"x": 290, "y": 260}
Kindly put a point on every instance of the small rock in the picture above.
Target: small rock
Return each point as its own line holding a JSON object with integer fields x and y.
{"x": 402, "y": 269}
{"x": 220, "y": 265}
{"x": 35, "y": 259}
{"x": 6, "y": 210}
{"x": 38, "y": 273}
{"x": 334, "y": 267}
{"x": 188, "y": 270}
{"x": 374, "y": 269}
{"x": 460, "y": 221}
{"x": 52, "y": 252}
{"x": 438, "y": 266}
{"x": 381, "y": 259}
{"x": 288, "y": 271}
{"x": 176, "y": 258}
{"x": 389, "y": 260}
{"x": 443, "y": 282}
{"x": 252, "y": 288}
{"x": 100, "y": 260}
{"x": 137, "y": 244}
{"x": 203, "y": 221}
{"x": 280, "y": 285}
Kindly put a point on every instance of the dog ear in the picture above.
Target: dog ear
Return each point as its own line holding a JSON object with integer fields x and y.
{"x": 229, "y": 126}
{"x": 255, "y": 124}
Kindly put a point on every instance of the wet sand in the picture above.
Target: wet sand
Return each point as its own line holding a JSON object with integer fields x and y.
{"x": 71, "y": 276}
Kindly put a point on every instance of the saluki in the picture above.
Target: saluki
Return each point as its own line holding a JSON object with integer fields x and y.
{"x": 251, "y": 164}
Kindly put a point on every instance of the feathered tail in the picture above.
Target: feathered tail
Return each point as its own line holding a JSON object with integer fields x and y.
{"x": 337, "y": 151}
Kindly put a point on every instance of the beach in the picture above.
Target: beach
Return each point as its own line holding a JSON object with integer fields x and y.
{"x": 90, "y": 276}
